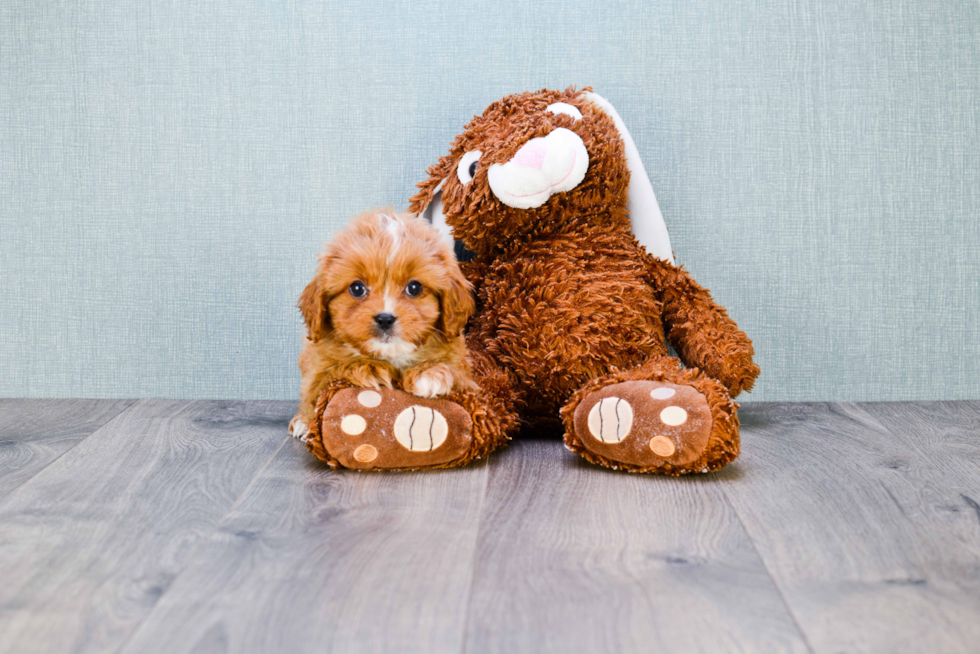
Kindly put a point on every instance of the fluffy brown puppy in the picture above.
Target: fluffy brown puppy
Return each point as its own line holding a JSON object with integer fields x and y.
{"x": 385, "y": 309}
{"x": 572, "y": 312}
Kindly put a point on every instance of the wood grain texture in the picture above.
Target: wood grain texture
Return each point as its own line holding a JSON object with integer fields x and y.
{"x": 89, "y": 544}
{"x": 200, "y": 527}
{"x": 33, "y": 433}
{"x": 315, "y": 560}
{"x": 577, "y": 558}
{"x": 866, "y": 518}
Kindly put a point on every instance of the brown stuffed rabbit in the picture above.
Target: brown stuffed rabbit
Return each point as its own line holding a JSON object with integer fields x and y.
{"x": 577, "y": 295}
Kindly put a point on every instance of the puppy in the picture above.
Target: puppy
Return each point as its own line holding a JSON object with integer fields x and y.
{"x": 386, "y": 308}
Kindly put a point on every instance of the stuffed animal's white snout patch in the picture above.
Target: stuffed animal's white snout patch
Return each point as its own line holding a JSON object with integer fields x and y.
{"x": 542, "y": 167}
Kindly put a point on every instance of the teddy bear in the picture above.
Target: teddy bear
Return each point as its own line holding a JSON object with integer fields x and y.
{"x": 577, "y": 297}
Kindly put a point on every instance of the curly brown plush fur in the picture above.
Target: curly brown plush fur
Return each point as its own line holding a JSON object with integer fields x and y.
{"x": 568, "y": 302}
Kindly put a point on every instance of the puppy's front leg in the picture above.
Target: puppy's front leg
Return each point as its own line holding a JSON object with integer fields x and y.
{"x": 431, "y": 381}
{"x": 299, "y": 426}
{"x": 315, "y": 380}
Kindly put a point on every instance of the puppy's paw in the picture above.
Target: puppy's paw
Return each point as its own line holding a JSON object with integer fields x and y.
{"x": 299, "y": 428}
{"x": 432, "y": 382}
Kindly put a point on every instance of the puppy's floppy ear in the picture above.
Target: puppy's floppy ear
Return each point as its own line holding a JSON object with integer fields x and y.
{"x": 313, "y": 304}
{"x": 456, "y": 303}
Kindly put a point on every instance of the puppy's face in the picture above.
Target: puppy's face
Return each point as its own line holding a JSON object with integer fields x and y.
{"x": 386, "y": 312}
{"x": 386, "y": 286}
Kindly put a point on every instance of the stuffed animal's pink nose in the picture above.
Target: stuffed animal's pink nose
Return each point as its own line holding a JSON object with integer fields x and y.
{"x": 532, "y": 154}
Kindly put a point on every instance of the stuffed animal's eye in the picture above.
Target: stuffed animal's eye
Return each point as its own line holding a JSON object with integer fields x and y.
{"x": 466, "y": 170}
{"x": 414, "y": 289}
{"x": 357, "y": 289}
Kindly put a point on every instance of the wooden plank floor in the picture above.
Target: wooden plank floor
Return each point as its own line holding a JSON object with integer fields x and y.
{"x": 175, "y": 527}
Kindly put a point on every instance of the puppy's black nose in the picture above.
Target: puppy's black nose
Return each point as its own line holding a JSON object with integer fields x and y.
{"x": 385, "y": 321}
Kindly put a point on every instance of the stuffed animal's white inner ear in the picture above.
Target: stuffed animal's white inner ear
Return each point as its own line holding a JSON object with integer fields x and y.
{"x": 566, "y": 109}
{"x": 433, "y": 214}
{"x": 648, "y": 223}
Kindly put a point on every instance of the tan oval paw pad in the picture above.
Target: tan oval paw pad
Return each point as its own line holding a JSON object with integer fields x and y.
{"x": 369, "y": 399}
{"x": 420, "y": 429}
{"x": 353, "y": 424}
{"x": 673, "y": 416}
{"x": 611, "y": 419}
{"x": 662, "y": 446}
{"x": 366, "y": 453}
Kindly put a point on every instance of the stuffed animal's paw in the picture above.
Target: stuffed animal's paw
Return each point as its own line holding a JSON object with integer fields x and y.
{"x": 389, "y": 429}
{"x": 644, "y": 424}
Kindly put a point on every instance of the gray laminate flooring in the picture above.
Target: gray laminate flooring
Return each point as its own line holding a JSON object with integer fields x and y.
{"x": 171, "y": 527}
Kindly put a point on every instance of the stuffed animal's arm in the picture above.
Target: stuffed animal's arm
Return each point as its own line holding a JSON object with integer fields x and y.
{"x": 701, "y": 330}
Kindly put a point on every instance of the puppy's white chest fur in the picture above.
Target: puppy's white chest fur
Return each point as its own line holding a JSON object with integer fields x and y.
{"x": 404, "y": 362}
{"x": 398, "y": 353}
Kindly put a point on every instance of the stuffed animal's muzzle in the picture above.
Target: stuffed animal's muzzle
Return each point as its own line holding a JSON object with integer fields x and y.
{"x": 542, "y": 167}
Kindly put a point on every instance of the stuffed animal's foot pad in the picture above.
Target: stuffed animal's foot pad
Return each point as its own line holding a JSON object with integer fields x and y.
{"x": 390, "y": 429}
{"x": 644, "y": 423}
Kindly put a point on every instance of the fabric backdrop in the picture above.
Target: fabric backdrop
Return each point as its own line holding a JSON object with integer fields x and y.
{"x": 168, "y": 171}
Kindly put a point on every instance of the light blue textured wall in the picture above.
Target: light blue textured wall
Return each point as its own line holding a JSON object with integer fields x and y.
{"x": 168, "y": 171}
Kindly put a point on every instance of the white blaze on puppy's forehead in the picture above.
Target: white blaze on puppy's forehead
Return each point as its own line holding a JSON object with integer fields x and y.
{"x": 566, "y": 109}
{"x": 393, "y": 226}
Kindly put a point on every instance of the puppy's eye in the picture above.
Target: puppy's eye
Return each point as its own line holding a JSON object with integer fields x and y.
{"x": 357, "y": 289}
{"x": 466, "y": 170}
{"x": 414, "y": 289}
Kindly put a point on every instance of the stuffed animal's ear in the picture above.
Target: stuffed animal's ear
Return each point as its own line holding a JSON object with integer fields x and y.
{"x": 427, "y": 203}
{"x": 316, "y": 313}
{"x": 431, "y": 211}
{"x": 648, "y": 223}
{"x": 457, "y": 304}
